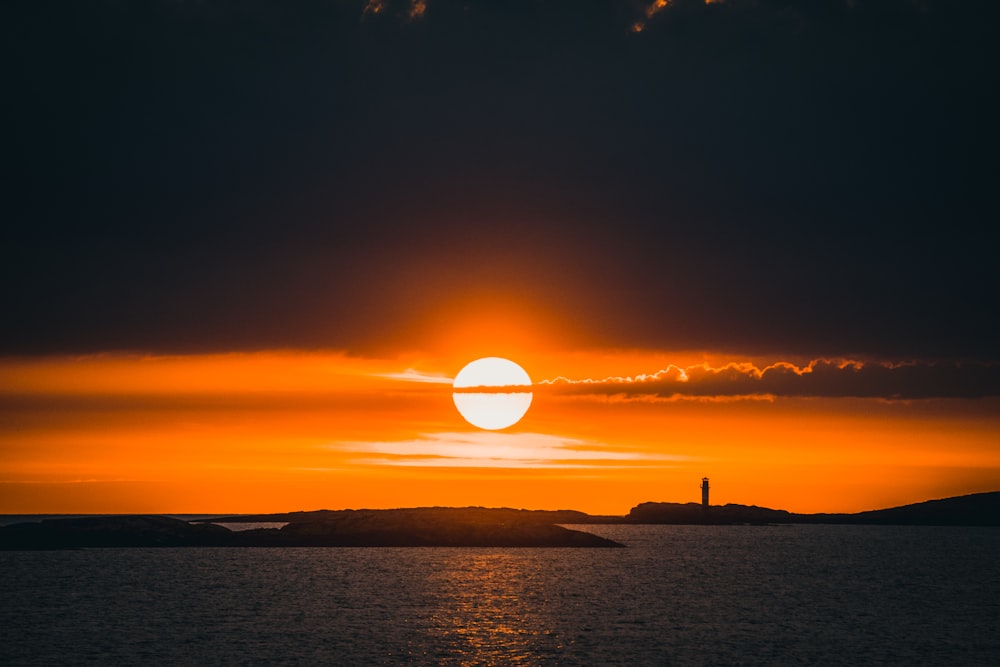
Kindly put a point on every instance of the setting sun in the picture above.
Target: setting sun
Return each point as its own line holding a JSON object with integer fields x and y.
{"x": 492, "y": 410}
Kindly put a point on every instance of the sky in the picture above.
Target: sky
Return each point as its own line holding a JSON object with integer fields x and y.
{"x": 247, "y": 245}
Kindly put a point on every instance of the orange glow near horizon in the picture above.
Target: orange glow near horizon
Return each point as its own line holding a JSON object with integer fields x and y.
{"x": 284, "y": 430}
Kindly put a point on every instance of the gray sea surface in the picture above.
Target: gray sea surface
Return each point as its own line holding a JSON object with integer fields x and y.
{"x": 728, "y": 595}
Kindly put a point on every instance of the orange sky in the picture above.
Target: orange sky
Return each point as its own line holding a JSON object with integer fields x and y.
{"x": 712, "y": 236}
{"x": 279, "y": 431}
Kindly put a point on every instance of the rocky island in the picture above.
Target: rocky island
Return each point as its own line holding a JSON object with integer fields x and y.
{"x": 978, "y": 509}
{"x": 428, "y": 527}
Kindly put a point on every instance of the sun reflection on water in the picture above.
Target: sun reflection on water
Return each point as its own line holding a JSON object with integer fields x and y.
{"x": 491, "y": 616}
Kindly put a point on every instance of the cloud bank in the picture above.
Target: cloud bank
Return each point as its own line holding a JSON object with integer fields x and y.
{"x": 372, "y": 175}
{"x": 828, "y": 378}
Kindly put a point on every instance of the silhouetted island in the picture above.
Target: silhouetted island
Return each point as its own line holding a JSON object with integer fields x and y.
{"x": 978, "y": 509}
{"x": 454, "y": 526}
{"x": 430, "y": 527}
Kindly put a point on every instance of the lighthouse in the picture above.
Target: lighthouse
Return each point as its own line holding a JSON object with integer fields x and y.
{"x": 704, "y": 492}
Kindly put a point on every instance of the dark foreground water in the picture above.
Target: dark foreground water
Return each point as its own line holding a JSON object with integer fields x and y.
{"x": 678, "y": 595}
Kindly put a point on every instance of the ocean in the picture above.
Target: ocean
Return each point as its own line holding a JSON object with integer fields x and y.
{"x": 698, "y": 595}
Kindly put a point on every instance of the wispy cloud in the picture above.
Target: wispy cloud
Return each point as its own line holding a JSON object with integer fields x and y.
{"x": 417, "y": 9}
{"x": 413, "y": 375}
{"x": 373, "y": 8}
{"x": 84, "y": 480}
{"x": 833, "y": 378}
{"x": 410, "y": 10}
{"x": 498, "y": 450}
{"x": 651, "y": 10}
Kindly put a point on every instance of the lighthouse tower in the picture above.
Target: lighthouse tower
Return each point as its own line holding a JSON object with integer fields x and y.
{"x": 704, "y": 492}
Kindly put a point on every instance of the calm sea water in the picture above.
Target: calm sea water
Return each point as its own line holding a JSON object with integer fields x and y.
{"x": 678, "y": 595}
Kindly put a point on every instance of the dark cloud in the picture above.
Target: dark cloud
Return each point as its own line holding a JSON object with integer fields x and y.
{"x": 817, "y": 379}
{"x": 794, "y": 176}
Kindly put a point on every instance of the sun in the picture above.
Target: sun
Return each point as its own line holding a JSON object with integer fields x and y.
{"x": 491, "y": 409}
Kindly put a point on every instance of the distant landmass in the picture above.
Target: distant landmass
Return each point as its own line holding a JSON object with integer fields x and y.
{"x": 453, "y": 526}
{"x": 978, "y": 509}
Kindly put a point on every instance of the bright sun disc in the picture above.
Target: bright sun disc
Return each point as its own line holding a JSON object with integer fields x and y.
{"x": 492, "y": 410}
